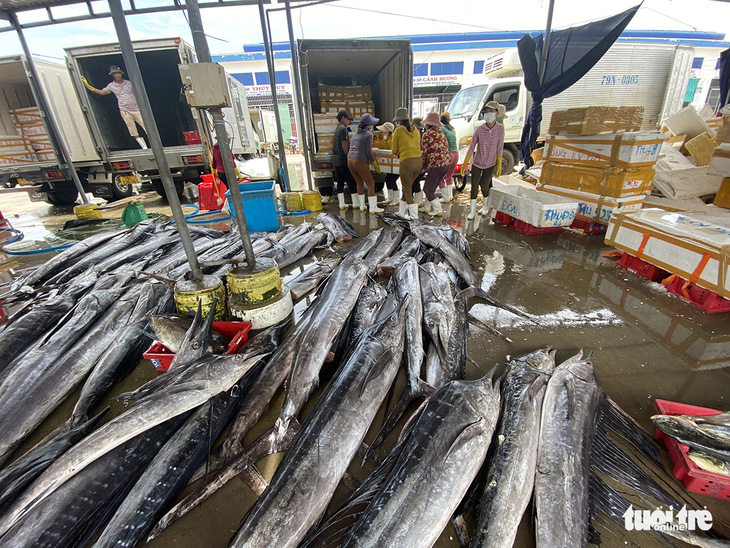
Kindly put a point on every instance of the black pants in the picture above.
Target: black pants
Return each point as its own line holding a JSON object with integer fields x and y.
{"x": 481, "y": 178}
{"x": 343, "y": 175}
{"x": 417, "y": 183}
{"x": 223, "y": 178}
{"x": 391, "y": 180}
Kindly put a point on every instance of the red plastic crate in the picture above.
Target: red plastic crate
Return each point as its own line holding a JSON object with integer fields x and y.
{"x": 236, "y": 333}
{"x": 531, "y": 230}
{"x": 702, "y": 298}
{"x": 692, "y": 476}
{"x": 503, "y": 219}
{"x": 192, "y": 137}
{"x": 589, "y": 227}
{"x": 642, "y": 268}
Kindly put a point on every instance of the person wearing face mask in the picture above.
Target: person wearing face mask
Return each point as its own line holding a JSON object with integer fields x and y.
{"x": 358, "y": 158}
{"x": 487, "y": 145}
{"x": 446, "y": 184}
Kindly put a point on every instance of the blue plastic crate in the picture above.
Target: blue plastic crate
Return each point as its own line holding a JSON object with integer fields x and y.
{"x": 259, "y": 205}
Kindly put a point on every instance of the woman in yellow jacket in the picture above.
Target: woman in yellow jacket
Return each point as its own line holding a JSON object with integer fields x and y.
{"x": 405, "y": 143}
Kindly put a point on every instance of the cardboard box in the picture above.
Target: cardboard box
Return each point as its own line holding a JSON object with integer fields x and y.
{"x": 722, "y": 198}
{"x": 701, "y": 148}
{"x": 539, "y": 209}
{"x": 17, "y": 158}
{"x": 621, "y": 149}
{"x": 720, "y": 161}
{"x": 386, "y": 160}
{"x": 325, "y": 143}
{"x": 596, "y": 120}
{"x": 691, "y": 245}
{"x": 23, "y": 116}
{"x": 33, "y": 129}
{"x": 596, "y": 208}
{"x": 606, "y": 181}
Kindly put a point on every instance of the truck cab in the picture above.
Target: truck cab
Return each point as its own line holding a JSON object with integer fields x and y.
{"x": 467, "y": 114}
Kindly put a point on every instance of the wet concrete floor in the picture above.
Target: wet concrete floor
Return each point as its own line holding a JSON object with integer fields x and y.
{"x": 646, "y": 343}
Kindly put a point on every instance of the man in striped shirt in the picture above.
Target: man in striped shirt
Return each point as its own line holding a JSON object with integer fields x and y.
{"x": 487, "y": 145}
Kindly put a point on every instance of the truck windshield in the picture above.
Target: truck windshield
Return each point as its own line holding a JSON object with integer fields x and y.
{"x": 465, "y": 102}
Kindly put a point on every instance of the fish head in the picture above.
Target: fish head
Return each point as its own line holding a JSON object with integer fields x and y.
{"x": 674, "y": 426}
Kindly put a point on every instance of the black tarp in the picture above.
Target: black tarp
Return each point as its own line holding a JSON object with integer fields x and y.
{"x": 724, "y": 77}
{"x": 571, "y": 54}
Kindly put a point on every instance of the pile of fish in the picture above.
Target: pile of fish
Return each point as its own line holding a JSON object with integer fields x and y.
{"x": 474, "y": 453}
{"x": 708, "y": 438}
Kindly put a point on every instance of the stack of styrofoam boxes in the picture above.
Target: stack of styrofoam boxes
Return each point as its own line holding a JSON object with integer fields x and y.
{"x": 357, "y": 100}
{"x": 720, "y": 162}
{"x": 605, "y": 172}
{"x": 31, "y": 144}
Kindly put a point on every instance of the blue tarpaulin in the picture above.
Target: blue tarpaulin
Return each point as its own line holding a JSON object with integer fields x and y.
{"x": 724, "y": 77}
{"x": 571, "y": 54}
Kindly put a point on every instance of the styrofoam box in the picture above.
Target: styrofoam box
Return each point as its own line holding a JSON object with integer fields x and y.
{"x": 594, "y": 207}
{"x": 720, "y": 163}
{"x": 634, "y": 148}
{"x": 539, "y": 209}
{"x": 510, "y": 180}
{"x": 677, "y": 242}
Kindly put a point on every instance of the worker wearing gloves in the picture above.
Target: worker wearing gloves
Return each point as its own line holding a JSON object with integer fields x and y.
{"x": 447, "y": 183}
{"x": 358, "y": 158}
{"x": 128, "y": 107}
{"x": 217, "y": 163}
{"x": 391, "y": 179}
{"x": 340, "y": 149}
{"x": 436, "y": 159}
{"x": 487, "y": 145}
{"x": 406, "y": 145}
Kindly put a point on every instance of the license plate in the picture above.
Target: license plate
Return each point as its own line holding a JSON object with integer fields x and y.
{"x": 37, "y": 196}
{"x": 127, "y": 180}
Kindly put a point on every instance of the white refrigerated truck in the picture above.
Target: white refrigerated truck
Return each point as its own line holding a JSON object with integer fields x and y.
{"x": 654, "y": 76}
{"x": 107, "y": 159}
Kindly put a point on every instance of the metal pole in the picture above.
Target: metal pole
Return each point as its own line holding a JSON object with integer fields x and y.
{"x": 55, "y": 133}
{"x": 304, "y": 145}
{"x": 201, "y": 48}
{"x": 546, "y": 41}
{"x": 145, "y": 109}
{"x": 272, "y": 82}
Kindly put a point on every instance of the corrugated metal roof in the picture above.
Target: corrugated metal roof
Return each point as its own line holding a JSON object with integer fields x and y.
{"x": 24, "y": 5}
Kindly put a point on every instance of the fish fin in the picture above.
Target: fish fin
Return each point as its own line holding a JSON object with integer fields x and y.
{"x": 377, "y": 368}
{"x": 476, "y": 322}
{"x": 462, "y": 438}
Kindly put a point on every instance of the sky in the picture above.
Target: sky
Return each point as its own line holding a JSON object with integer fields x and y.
{"x": 229, "y": 28}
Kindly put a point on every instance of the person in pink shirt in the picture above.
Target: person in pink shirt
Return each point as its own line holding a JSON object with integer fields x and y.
{"x": 487, "y": 145}
{"x": 128, "y": 107}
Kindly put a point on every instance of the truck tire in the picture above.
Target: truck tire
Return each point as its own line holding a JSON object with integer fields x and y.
{"x": 62, "y": 197}
{"x": 160, "y": 189}
{"x": 508, "y": 162}
{"x": 461, "y": 182}
{"x": 120, "y": 190}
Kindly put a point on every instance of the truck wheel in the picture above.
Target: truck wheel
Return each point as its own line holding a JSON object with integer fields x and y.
{"x": 62, "y": 197}
{"x": 120, "y": 190}
{"x": 508, "y": 162}
{"x": 461, "y": 182}
{"x": 160, "y": 189}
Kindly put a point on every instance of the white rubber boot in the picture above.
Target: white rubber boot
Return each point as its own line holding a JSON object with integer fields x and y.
{"x": 418, "y": 199}
{"x": 446, "y": 195}
{"x": 361, "y": 201}
{"x": 412, "y": 211}
{"x": 402, "y": 209}
{"x": 436, "y": 210}
{"x": 341, "y": 199}
{"x": 485, "y": 207}
{"x": 394, "y": 200}
{"x": 472, "y": 209}
{"x": 141, "y": 142}
{"x": 373, "y": 203}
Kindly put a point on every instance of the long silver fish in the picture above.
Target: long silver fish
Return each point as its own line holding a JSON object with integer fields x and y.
{"x": 569, "y": 409}
{"x": 341, "y": 229}
{"x": 209, "y": 377}
{"x": 439, "y": 310}
{"x": 442, "y": 453}
{"x": 310, "y": 279}
{"x": 322, "y": 450}
{"x": 511, "y": 470}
